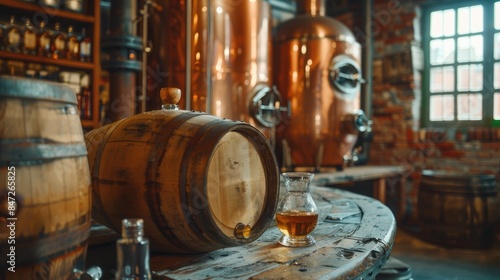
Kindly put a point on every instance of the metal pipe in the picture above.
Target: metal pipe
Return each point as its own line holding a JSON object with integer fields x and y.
{"x": 144, "y": 71}
{"x": 189, "y": 47}
{"x": 121, "y": 48}
{"x": 366, "y": 61}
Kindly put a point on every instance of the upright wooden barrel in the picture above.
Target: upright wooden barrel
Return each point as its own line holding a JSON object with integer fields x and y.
{"x": 200, "y": 182}
{"x": 458, "y": 210}
{"x": 43, "y": 166}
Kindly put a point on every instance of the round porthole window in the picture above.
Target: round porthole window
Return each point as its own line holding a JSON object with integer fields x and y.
{"x": 266, "y": 106}
{"x": 345, "y": 76}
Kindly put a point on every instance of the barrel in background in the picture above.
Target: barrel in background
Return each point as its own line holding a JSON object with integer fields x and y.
{"x": 458, "y": 210}
{"x": 41, "y": 137}
{"x": 200, "y": 182}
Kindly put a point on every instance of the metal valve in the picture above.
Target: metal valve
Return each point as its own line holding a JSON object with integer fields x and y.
{"x": 356, "y": 122}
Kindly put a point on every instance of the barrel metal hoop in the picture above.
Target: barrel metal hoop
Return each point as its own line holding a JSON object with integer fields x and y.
{"x": 50, "y": 246}
{"x": 36, "y": 151}
{"x": 272, "y": 177}
{"x": 210, "y": 135}
{"x": 152, "y": 191}
{"x": 16, "y": 87}
{"x": 96, "y": 196}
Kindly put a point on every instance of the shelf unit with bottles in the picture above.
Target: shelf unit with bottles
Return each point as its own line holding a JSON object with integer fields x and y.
{"x": 88, "y": 18}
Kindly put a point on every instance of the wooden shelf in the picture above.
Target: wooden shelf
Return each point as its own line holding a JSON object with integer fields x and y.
{"x": 48, "y": 10}
{"x": 47, "y": 60}
{"x": 91, "y": 20}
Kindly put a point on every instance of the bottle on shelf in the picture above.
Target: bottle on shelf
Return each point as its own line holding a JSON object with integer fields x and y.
{"x": 74, "y": 5}
{"x": 85, "y": 46}
{"x": 73, "y": 44}
{"x": 132, "y": 252}
{"x": 29, "y": 38}
{"x": 13, "y": 37}
{"x": 86, "y": 97}
{"x": 50, "y": 3}
{"x": 43, "y": 38}
{"x": 58, "y": 43}
{"x": 2, "y": 35}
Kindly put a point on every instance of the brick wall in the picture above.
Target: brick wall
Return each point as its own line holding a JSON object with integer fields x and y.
{"x": 397, "y": 138}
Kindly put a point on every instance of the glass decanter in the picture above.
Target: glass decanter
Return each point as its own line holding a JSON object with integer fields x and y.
{"x": 297, "y": 214}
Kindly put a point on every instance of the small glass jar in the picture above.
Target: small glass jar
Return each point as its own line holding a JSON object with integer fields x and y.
{"x": 132, "y": 252}
{"x": 297, "y": 214}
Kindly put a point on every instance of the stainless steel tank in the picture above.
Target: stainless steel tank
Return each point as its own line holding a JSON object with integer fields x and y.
{"x": 219, "y": 52}
{"x": 317, "y": 70}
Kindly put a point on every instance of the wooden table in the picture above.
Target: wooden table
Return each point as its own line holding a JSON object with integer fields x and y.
{"x": 380, "y": 175}
{"x": 355, "y": 244}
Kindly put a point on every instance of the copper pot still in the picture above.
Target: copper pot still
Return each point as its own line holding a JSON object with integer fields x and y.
{"x": 219, "y": 53}
{"x": 317, "y": 70}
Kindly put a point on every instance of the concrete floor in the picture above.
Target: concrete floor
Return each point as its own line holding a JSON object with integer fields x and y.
{"x": 433, "y": 262}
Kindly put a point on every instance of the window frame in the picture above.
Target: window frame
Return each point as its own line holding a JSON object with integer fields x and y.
{"x": 487, "y": 62}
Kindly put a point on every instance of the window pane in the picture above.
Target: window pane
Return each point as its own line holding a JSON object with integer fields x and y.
{"x": 448, "y": 79}
{"x": 477, "y": 48}
{"x": 496, "y": 106}
{"x": 470, "y": 48}
{"x": 497, "y": 15}
{"x": 448, "y": 51}
{"x": 436, "y": 79}
{"x": 463, "y": 78}
{"x": 436, "y": 52}
{"x": 476, "y": 15}
{"x": 463, "y": 21}
{"x": 469, "y": 106}
{"x": 476, "y": 77}
{"x": 496, "y": 46}
{"x": 436, "y": 24}
{"x": 442, "y": 51}
{"x": 442, "y": 79}
{"x": 470, "y": 77}
{"x": 441, "y": 108}
{"x": 496, "y": 75}
{"x": 463, "y": 49}
{"x": 449, "y": 22}
{"x": 470, "y": 19}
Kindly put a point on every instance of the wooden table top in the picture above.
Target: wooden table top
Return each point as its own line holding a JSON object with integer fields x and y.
{"x": 357, "y": 174}
{"x": 354, "y": 239}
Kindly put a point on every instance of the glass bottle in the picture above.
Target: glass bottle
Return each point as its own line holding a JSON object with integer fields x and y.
{"x": 132, "y": 252}
{"x": 86, "y": 97}
{"x": 3, "y": 33}
{"x": 297, "y": 214}
{"x": 73, "y": 44}
{"x": 85, "y": 46}
{"x": 43, "y": 39}
{"x": 13, "y": 37}
{"x": 29, "y": 38}
{"x": 58, "y": 42}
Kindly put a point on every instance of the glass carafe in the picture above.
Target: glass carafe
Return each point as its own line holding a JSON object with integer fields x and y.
{"x": 297, "y": 214}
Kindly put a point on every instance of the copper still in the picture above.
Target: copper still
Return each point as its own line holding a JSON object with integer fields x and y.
{"x": 317, "y": 70}
{"x": 219, "y": 52}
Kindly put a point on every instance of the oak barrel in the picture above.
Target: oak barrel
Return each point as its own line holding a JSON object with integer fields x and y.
{"x": 199, "y": 182}
{"x": 44, "y": 167}
{"x": 458, "y": 210}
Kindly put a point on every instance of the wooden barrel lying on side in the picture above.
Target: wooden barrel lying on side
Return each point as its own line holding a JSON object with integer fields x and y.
{"x": 44, "y": 167}
{"x": 458, "y": 210}
{"x": 200, "y": 182}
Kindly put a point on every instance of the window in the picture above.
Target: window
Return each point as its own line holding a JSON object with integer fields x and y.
{"x": 462, "y": 73}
